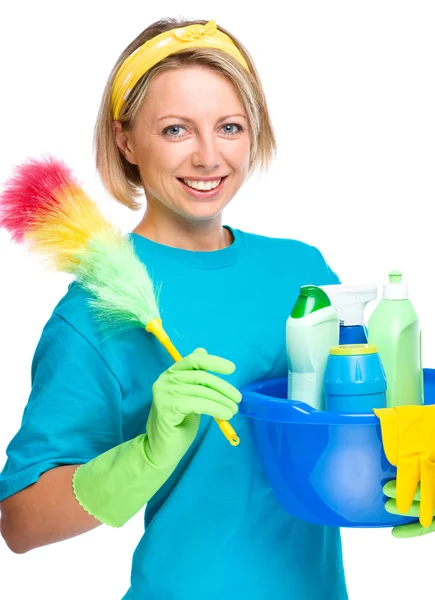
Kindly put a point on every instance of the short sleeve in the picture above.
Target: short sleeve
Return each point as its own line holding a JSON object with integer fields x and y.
{"x": 324, "y": 274}
{"x": 74, "y": 411}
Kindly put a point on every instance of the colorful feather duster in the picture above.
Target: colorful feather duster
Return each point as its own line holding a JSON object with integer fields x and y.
{"x": 45, "y": 207}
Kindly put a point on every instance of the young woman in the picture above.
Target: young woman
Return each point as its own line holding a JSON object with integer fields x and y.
{"x": 111, "y": 426}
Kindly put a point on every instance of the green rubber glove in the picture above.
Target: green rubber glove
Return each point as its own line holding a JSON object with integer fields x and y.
{"x": 410, "y": 529}
{"x": 180, "y": 395}
{"x": 115, "y": 485}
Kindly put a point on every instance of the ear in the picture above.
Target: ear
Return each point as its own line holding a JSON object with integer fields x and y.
{"x": 124, "y": 142}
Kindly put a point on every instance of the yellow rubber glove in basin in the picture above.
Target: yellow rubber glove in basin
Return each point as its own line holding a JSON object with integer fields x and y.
{"x": 408, "y": 437}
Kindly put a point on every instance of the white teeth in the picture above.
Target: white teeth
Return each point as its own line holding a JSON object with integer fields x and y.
{"x": 202, "y": 185}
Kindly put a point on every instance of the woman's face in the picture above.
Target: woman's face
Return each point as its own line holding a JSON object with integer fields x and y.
{"x": 191, "y": 128}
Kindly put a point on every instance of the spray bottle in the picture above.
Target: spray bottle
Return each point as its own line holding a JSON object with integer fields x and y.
{"x": 350, "y": 301}
{"x": 312, "y": 328}
{"x": 394, "y": 329}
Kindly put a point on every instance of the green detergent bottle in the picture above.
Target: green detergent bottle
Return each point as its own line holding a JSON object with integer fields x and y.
{"x": 394, "y": 329}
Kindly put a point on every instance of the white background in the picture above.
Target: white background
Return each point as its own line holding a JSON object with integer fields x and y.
{"x": 351, "y": 92}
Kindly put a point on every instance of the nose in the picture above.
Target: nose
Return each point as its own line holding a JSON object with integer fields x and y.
{"x": 206, "y": 154}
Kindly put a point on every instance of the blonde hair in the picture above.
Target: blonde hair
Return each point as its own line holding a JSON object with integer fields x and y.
{"x": 120, "y": 178}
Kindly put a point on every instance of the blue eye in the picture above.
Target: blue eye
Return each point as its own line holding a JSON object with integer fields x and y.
{"x": 228, "y": 128}
{"x": 176, "y": 127}
{"x": 239, "y": 128}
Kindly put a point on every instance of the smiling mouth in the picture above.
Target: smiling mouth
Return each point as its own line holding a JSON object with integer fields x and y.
{"x": 202, "y": 186}
{"x": 203, "y": 190}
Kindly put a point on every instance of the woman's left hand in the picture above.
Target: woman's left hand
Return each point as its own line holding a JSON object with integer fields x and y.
{"x": 410, "y": 529}
{"x": 408, "y": 437}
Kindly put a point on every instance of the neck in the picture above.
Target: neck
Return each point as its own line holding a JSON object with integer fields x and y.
{"x": 200, "y": 236}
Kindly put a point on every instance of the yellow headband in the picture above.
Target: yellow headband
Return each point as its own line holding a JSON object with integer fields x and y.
{"x": 161, "y": 46}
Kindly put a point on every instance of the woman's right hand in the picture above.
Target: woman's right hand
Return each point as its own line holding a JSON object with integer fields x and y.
{"x": 181, "y": 395}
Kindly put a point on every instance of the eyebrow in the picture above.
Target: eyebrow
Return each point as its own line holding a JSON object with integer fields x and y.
{"x": 191, "y": 120}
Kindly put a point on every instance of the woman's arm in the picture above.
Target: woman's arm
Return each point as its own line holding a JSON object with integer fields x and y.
{"x": 73, "y": 414}
{"x": 44, "y": 512}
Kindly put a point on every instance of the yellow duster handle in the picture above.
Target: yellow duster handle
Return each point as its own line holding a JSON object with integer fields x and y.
{"x": 155, "y": 327}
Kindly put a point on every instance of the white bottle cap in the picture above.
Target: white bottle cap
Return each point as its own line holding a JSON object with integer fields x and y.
{"x": 395, "y": 290}
{"x": 350, "y": 300}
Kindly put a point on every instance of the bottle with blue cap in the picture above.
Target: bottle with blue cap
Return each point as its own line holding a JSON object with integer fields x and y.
{"x": 394, "y": 329}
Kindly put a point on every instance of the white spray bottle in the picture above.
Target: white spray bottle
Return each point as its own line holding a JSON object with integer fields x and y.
{"x": 350, "y": 301}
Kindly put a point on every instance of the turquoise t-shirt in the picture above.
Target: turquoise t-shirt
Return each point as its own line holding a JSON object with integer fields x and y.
{"x": 214, "y": 530}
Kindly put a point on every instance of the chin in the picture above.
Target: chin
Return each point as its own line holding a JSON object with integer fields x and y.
{"x": 203, "y": 213}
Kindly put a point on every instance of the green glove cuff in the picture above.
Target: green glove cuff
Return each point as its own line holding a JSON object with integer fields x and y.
{"x": 115, "y": 485}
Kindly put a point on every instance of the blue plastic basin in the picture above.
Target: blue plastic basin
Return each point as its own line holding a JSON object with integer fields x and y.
{"x": 324, "y": 467}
